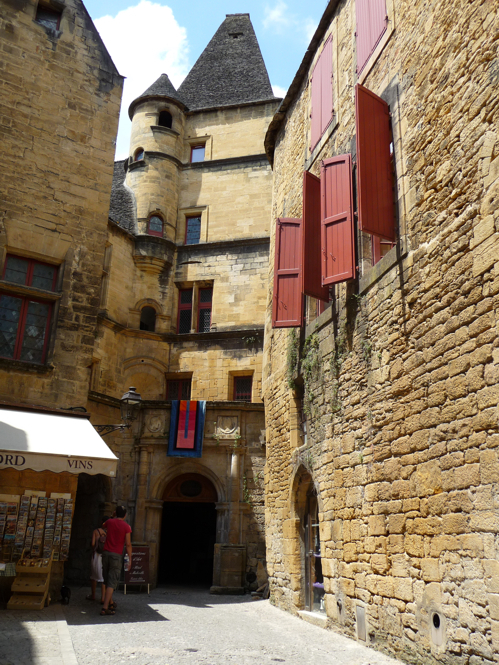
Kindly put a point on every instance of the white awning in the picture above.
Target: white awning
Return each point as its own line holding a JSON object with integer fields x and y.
{"x": 52, "y": 442}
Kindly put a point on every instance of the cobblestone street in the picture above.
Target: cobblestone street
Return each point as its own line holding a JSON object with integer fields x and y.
{"x": 173, "y": 627}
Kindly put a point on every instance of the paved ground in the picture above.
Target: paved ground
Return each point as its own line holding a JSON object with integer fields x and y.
{"x": 173, "y": 627}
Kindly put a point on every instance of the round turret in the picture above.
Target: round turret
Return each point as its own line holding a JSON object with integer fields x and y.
{"x": 158, "y": 122}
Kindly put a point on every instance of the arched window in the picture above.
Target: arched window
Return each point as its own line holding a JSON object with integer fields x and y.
{"x": 155, "y": 226}
{"x": 165, "y": 119}
{"x": 139, "y": 154}
{"x": 148, "y": 319}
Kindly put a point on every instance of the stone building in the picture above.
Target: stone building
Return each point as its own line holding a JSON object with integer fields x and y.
{"x": 59, "y": 108}
{"x": 381, "y": 356}
{"x": 182, "y": 313}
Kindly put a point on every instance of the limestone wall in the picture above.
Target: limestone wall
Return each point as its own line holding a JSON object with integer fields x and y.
{"x": 59, "y": 114}
{"x": 400, "y": 373}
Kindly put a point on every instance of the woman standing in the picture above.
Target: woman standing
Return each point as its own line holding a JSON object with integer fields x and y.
{"x": 98, "y": 541}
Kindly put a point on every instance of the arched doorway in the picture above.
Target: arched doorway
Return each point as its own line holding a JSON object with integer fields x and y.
{"x": 188, "y": 531}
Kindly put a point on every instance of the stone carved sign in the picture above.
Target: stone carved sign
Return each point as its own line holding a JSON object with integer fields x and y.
{"x": 155, "y": 423}
{"x": 227, "y": 427}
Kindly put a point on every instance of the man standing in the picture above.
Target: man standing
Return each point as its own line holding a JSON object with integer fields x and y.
{"x": 118, "y": 536}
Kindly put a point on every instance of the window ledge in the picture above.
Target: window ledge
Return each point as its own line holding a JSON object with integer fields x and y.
{"x": 140, "y": 163}
{"x": 393, "y": 257}
{"x": 28, "y": 291}
{"x": 24, "y": 366}
{"x": 164, "y": 130}
{"x": 324, "y": 139}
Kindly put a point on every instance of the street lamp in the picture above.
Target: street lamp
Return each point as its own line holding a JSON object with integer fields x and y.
{"x": 129, "y": 407}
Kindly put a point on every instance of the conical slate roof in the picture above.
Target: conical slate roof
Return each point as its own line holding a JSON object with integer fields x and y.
{"x": 230, "y": 70}
{"x": 162, "y": 87}
{"x": 122, "y": 209}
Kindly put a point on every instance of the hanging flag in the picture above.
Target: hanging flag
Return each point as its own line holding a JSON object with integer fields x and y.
{"x": 186, "y": 428}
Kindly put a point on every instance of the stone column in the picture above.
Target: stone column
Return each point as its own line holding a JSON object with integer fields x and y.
{"x": 140, "y": 509}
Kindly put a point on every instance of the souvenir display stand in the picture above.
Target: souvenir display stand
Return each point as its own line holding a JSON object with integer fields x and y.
{"x": 30, "y": 589}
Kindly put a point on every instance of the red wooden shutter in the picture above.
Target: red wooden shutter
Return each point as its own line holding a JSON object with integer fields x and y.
{"x": 316, "y": 114}
{"x": 287, "y": 307}
{"x": 371, "y": 25}
{"x": 327, "y": 85}
{"x": 322, "y": 94}
{"x": 379, "y": 248}
{"x": 312, "y": 283}
{"x": 338, "y": 244}
{"x": 374, "y": 164}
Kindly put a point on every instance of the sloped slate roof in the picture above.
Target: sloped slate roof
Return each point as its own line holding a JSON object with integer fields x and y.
{"x": 162, "y": 87}
{"x": 122, "y": 208}
{"x": 230, "y": 70}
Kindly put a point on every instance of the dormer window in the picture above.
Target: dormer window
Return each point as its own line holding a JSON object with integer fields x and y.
{"x": 197, "y": 153}
{"x": 48, "y": 17}
{"x": 165, "y": 119}
{"x": 155, "y": 226}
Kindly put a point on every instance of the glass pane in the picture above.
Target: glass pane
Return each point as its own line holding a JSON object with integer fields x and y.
{"x": 43, "y": 276}
{"x": 10, "y": 313}
{"x": 186, "y": 389}
{"x": 172, "y": 391}
{"x": 186, "y": 297}
{"x": 48, "y": 18}
{"x": 156, "y": 224}
{"x": 193, "y": 230}
{"x": 242, "y": 388}
{"x": 184, "y": 323}
{"x": 197, "y": 153}
{"x": 204, "y": 320}
{"x": 205, "y": 295}
{"x": 34, "y": 332}
{"x": 16, "y": 270}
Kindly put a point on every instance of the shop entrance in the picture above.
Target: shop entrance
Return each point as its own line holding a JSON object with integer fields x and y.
{"x": 188, "y": 531}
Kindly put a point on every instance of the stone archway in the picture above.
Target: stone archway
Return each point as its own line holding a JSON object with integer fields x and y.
{"x": 188, "y": 531}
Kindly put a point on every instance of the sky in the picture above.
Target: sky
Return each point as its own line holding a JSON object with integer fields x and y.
{"x": 147, "y": 38}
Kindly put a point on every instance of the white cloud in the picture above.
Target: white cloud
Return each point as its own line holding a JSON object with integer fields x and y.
{"x": 310, "y": 28}
{"x": 277, "y": 17}
{"x": 278, "y": 91}
{"x": 144, "y": 42}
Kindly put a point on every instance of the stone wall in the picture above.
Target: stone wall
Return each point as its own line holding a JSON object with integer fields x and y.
{"x": 59, "y": 115}
{"x": 400, "y": 373}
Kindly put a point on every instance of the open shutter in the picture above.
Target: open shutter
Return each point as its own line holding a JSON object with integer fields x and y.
{"x": 374, "y": 164}
{"x": 338, "y": 244}
{"x": 312, "y": 282}
{"x": 371, "y": 25}
{"x": 287, "y": 307}
{"x": 327, "y": 85}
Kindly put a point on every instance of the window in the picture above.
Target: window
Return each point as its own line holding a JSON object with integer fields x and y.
{"x": 372, "y": 22}
{"x": 204, "y": 310}
{"x": 25, "y": 320}
{"x": 155, "y": 226}
{"x": 148, "y": 319}
{"x": 192, "y": 230}
{"x": 197, "y": 153}
{"x": 49, "y": 18}
{"x": 380, "y": 248}
{"x": 106, "y": 270}
{"x": 165, "y": 119}
{"x": 242, "y": 388}
{"x": 322, "y": 94}
{"x": 178, "y": 389}
{"x": 184, "y": 311}
{"x": 138, "y": 155}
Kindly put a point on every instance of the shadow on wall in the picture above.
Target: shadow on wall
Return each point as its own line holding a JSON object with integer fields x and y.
{"x": 89, "y": 510}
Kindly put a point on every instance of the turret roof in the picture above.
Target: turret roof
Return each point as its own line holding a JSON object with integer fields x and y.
{"x": 122, "y": 209}
{"x": 162, "y": 87}
{"x": 230, "y": 70}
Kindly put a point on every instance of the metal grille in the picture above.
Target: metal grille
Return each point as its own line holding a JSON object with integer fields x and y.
{"x": 242, "y": 388}
{"x": 205, "y": 295}
{"x": 184, "y": 321}
{"x": 186, "y": 297}
{"x": 193, "y": 232}
{"x": 204, "y": 320}
{"x": 178, "y": 389}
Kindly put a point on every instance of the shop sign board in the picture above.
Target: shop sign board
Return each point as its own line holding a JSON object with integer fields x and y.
{"x": 139, "y": 570}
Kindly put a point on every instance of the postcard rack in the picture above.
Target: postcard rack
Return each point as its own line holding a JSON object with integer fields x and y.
{"x": 30, "y": 589}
